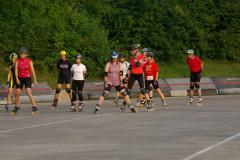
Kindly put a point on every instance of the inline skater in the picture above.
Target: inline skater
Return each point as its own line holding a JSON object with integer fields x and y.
{"x": 24, "y": 67}
{"x": 151, "y": 77}
{"x": 113, "y": 74}
{"x": 136, "y": 72}
{"x": 125, "y": 66}
{"x": 79, "y": 74}
{"x": 64, "y": 66}
{"x": 11, "y": 80}
{"x": 196, "y": 68}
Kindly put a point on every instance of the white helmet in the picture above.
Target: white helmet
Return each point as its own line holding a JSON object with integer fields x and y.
{"x": 190, "y": 51}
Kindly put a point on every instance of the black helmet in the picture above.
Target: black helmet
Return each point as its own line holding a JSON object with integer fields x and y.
{"x": 135, "y": 46}
{"x": 122, "y": 55}
{"x": 150, "y": 54}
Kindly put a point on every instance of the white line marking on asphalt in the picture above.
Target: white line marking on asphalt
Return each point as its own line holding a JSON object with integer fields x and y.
{"x": 47, "y": 124}
{"x": 212, "y": 147}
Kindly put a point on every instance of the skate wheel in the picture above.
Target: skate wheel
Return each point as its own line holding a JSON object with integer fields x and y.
{"x": 6, "y": 110}
{"x": 166, "y": 107}
{"x": 72, "y": 110}
{"x": 79, "y": 110}
{"x": 199, "y": 104}
{"x": 121, "y": 110}
{"x": 35, "y": 113}
{"x": 189, "y": 104}
{"x": 14, "y": 114}
{"x": 53, "y": 108}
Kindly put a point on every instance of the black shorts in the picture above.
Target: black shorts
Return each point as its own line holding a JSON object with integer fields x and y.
{"x": 118, "y": 88}
{"x": 12, "y": 84}
{"x": 24, "y": 81}
{"x": 195, "y": 76}
{"x": 138, "y": 77}
{"x": 64, "y": 80}
{"x": 149, "y": 82}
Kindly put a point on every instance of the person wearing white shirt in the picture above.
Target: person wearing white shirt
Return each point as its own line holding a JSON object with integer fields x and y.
{"x": 79, "y": 74}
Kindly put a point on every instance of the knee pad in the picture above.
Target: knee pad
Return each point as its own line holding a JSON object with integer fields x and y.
{"x": 73, "y": 92}
{"x": 143, "y": 91}
{"x": 197, "y": 86}
{"x": 191, "y": 86}
{"x": 79, "y": 93}
{"x": 150, "y": 88}
{"x": 58, "y": 90}
{"x": 68, "y": 90}
{"x": 129, "y": 91}
{"x": 124, "y": 94}
{"x": 105, "y": 94}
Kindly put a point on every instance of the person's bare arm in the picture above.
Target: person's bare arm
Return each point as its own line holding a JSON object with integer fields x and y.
{"x": 16, "y": 73}
{"x": 9, "y": 75}
{"x": 106, "y": 70}
{"x": 33, "y": 73}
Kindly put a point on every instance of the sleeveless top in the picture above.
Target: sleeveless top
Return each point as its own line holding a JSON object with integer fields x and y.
{"x": 24, "y": 67}
{"x": 113, "y": 77}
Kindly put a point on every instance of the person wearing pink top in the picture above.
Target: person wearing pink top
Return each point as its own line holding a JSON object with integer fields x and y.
{"x": 113, "y": 77}
{"x": 24, "y": 67}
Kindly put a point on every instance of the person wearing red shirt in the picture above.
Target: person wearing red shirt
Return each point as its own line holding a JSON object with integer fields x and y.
{"x": 136, "y": 71}
{"x": 151, "y": 78}
{"x": 196, "y": 68}
{"x": 23, "y": 69}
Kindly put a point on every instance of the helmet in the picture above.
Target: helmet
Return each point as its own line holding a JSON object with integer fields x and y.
{"x": 135, "y": 46}
{"x": 78, "y": 56}
{"x": 190, "y": 51}
{"x": 145, "y": 50}
{"x": 63, "y": 53}
{"x": 23, "y": 50}
{"x": 13, "y": 56}
{"x": 114, "y": 54}
{"x": 122, "y": 55}
{"x": 150, "y": 54}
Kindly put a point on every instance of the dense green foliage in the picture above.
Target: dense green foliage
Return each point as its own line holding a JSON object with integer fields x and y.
{"x": 95, "y": 27}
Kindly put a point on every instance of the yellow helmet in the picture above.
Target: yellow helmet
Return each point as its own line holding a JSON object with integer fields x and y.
{"x": 13, "y": 56}
{"x": 63, "y": 53}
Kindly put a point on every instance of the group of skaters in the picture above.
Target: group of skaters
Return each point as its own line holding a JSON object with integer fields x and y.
{"x": 119, "y": 74}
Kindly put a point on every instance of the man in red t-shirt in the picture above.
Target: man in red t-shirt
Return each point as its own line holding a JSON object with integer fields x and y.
{"x": 196, "y": 68}
{"x": 136, "y": 71}
{"x": 151, "y": 77}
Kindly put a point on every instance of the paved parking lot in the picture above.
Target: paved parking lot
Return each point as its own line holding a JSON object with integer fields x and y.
{"x": 208, "y": 132}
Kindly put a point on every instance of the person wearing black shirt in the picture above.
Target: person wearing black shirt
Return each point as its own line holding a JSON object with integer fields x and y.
{"x": 64, "y": 66}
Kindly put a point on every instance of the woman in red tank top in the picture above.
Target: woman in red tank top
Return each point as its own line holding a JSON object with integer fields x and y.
{"x": 24, "y": 67}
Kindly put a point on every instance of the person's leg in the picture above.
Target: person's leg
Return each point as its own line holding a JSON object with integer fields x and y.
{"x": 29, "y": 93}
{"x": 68, "y": 90}
{"x": 150, "y": 92}
{"x": 80, "y": 88}
{"x": 130, "y": 84}
{"x": 197, "y": 86}
{"x": 74, "y": 92}
{"x": 127, "y": 100}
{"x": 102, "y": 97}
{"x": 17, "y": 96}
{"x": 9, "y": 96}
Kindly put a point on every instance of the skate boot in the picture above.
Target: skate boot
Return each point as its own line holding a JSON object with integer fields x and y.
{"x": 19, "y": 108}
{"x": 190, "y": 100}
{"x": 138, "y": 106}
{"x": 35, "y": 111}
{"x": 80, "y": 108}
{"x": 150, "y": 106}
{"x": 199, "y": 103}
{"x": 14, "y": 111}
{"x": 54, "y": 105}
{"x": 115, "y": 102}
{"x": 97, "y": 109}
{"x": 6, "y": 107}
{"x": 133, "y": 109}
{"x": 143, "y": 103}
{"x": 122, "y": 109}
{"x": 165, "y": 104}
{"x": 72, "y": 108}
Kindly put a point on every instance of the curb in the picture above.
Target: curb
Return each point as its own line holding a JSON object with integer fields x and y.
{"x": 229, "y": 91}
